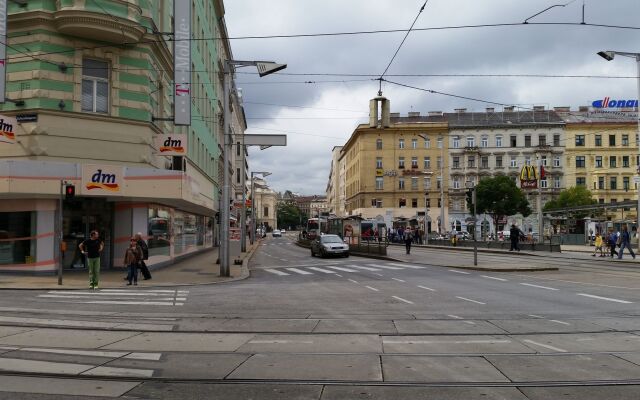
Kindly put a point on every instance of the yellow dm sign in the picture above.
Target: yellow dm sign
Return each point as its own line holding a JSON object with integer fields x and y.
{"x": 528, "y": 177}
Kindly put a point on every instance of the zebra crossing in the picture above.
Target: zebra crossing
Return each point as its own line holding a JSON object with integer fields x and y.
{"x": 332, "y": 269}
{"x": 147, "y": 297}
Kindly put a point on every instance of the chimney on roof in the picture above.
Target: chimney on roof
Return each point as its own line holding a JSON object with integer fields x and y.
{"x": 460, "y": 110}
{"x": 538, "y": 108}
{"x": 583, "y": 108}
{"x": 489, "y": 109}
{"x": 435, "y": 113}
{"x": 414, "y": 114}
{"x": 509, "y": 108}
{"x": 562, "y": 109}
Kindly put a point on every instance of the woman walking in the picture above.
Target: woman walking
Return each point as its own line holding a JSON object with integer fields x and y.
{"x": 132, "y": 257}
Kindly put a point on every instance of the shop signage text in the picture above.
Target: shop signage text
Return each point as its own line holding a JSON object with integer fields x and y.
{"x": 101, "y": 179}
{"x": 7, "y": 129}
{"x": 608, "y": 103}
{"x": 171, "y": 145}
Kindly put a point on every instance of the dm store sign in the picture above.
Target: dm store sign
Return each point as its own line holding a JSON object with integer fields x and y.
{"x": 102, "y": 180}
{"x": 7, "y": 129}
{"x": 171, "y": 145}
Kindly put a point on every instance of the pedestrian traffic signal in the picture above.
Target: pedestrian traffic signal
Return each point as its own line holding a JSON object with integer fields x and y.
{"x": 470, "y": 198}
{"x": 69, "y": 192}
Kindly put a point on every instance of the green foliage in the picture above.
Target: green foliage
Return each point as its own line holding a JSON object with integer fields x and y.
{"x": 500, "y": 197}
{"x": 572, "y": 197}
{"x": 289, "y": 215}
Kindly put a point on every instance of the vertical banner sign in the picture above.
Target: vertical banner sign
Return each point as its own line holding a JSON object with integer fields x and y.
{"x": 181, "y": 62}
{"x": 3, "y": 48}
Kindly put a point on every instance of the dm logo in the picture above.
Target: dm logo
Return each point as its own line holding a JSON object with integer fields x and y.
{"x": 101, "y": 180}
{"x": 172, "y": 145}
{"x": 6, "y": 130}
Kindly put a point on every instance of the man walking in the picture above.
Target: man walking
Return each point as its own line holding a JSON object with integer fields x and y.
{"x": 92, "y": 248}
{"x": 514, "y": 236}
{"x": 625, "y": 241}
{"x": 408, "y": 238}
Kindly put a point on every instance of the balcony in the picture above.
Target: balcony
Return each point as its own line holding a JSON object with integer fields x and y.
{"x": 471, "y": 149}
{"x": 81, "y": 19}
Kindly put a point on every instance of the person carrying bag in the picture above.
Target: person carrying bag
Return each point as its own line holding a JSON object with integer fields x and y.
{"x": 132, "y": 257}
{"x": 146, "y": 274}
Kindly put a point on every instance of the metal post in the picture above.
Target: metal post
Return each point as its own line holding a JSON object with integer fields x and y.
{"x": 540, "y": 216}
{"x": 224, "y": 203}
{"x": 243, "y": 216}
{"x": 253, "y": 213}
{"x": 426, "y": 214}
{"x": 475, "y": 229}
{"x": 638, "y": 171}
{"x": 442, "y": 223}
{"x": 61, "y": 233}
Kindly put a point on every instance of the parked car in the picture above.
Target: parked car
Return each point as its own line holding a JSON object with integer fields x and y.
{"x": 276, "y": 233}
{"x": 327, "y": 245}
{"x": 283, "y": 231}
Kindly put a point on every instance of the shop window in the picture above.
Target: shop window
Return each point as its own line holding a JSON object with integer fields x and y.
{"x": 16, "y": 231}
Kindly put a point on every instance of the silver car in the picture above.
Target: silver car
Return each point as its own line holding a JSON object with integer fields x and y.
{"x": 327, "y": 245}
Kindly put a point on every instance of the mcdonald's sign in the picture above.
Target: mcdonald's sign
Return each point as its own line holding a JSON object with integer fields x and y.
{"x": 528, "y": 177}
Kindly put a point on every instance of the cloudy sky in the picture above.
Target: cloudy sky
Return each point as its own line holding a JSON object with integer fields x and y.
{"x": 324, "y": 92}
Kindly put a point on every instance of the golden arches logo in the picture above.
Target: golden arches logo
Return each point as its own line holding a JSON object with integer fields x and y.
{"x": 528, "y": 173}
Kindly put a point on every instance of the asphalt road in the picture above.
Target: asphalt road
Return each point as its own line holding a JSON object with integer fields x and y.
{"x": 302, "y": 327}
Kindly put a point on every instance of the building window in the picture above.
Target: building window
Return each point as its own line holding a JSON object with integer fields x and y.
{"x": 613, "y": 183}
{"x": 612, "y": 162}
{"x": 542, "y": 140}
{"x": 456, "y": 183}
{"x": 379, "y": 182}
{"x": 379, "y": 144}
{"x": 379, "y": 162}
{"x": 266, "y": 212}
{"x": 556, "y": 182}
{"x": 456, "y": 162}
{"x": 414, "y": 183}
{"x": 414, "y": 203}
{"x": 401, "y": 144}
{"x": 579, "y": 140}
{"x": 544, "y": 161}
{"x": 414, "y": 162}
{"x": 556, "y": 161}
{"x": 427, "y": 202}
{"x": 439, "y": 202}
{"x": 439, "y": 142}
{"x": 402, "y": 203}
{"x": 456, "y": 142}
{"x": 598, "y": 161}
{"x": 543, "y": 183}
{"x": 498, "y": 161}
{"x": 427, "y": 163}
{"x": 427, "y": 143}
{"x": 601, "y": 183}
{"x": 439, "y": 183}
{"x": 484, "y": 142}
{"x": 514, "y": 162}
{"x": 471, "y": 162}
{"x": 556, "y": 140}
{"x": 625, "y": 183}
{"x": 498, "y": 141}
{"x": 484, "y": 162}
{"x": 625, "y": 161}
{"x": 95, "y": 86}
{"x": 598, "y": 140}
{"x": 527, "y": 160}
{"x": 581, "y": 181}
{"x": 376, "y": 203}
{"x": 439, "y": 162}
{"x": 612, "y": 140}
{"x": 625, "y": 140}
{"x": 427, "y": 183}
{"x": 527, "y": 141}
{"x": 401, "y": 162}
{"x": 471, "y": 141}
{"x": 513, "y": 140}
{"x": 401, "y": 183}
{"x": 414, "y": 143}
{"x": 580, "y": 162}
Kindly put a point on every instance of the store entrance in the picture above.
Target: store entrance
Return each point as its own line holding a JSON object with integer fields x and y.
{"x": 82, "y": 215}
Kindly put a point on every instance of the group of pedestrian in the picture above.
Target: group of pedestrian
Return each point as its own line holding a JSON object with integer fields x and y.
{"x": 614, "y": 240}
{"x": 134, "y": 258}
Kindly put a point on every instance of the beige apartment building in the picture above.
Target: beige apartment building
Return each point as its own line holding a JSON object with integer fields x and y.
{"x": 266, "y": 205}
{"x": 335, "y": 187}
{"x": 395, "y": 172}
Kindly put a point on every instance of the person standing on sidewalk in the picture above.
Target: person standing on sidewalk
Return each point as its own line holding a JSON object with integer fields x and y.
{"x": 92, "y": 248}
{"x": 408, "y": 238}
{"x": 599, "y": 245}
{"x": 625, "y": 241}
{"x": 514, "y": 236}
{"x": 132, "y": 256}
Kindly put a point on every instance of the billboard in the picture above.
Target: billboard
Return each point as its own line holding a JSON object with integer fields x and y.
{"x": 181, "y": 62}
{"x": 171, "y": 145}
{"x": 8, "y": 127}
{"x": 528, "y": 177}
{"x": 3, "y": 48}
{"x": 102, "y": 179}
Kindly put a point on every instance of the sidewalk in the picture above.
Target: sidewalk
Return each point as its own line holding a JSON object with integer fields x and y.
{"x": 199, "y": 269}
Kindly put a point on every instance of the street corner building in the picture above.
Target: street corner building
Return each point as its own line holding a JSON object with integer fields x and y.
{"x": 92, "y": 142}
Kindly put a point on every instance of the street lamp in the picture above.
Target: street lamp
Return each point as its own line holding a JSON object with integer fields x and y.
{"x": 253, "y": 203}
{"x": 471, "y": 185}
{"x": 609, "y": 55}
{"x": 264, "y": 68}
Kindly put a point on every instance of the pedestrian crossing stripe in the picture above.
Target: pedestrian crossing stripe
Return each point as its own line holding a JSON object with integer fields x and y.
{"x": 406, "y": 266}
{"x": 384, "y": 266}
{"x": 327, "y": 269}
{"x": 120, "y": 297}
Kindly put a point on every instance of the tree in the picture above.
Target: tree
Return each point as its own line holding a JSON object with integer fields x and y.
{"x": 572, "y": 197}
{"x": 500, "y": 197}
{"x": 288, "y": 215}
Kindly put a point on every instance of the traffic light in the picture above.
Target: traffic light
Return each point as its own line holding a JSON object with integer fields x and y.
{"x": 69, "y": 192}
{"x": 470, "y": 199}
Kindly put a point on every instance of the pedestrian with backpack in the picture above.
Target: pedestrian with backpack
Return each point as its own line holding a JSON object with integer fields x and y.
{"x": 145, "y": 256}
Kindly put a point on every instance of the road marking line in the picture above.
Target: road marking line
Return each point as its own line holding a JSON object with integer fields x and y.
{"x": 88, "y": 353}
{"x": 399, "y": 280}
{"x": 605, "y": 298}
{"x": 454, "y": 316}
{"x": 494, "y": 278}
{"x": 126, "y": 293}
{"x": 111, "y": 371}
{"x": 339, "y": 275}
{"x": 275, "y": 271}
{"x": 144, "y": 356}
{"x": 426, "y": 288}
{"x": 535, "y": 316}
{"x": 585, "y": 339}
{"x": 343, "y": 269}
{"x": 280, "y": 341}
{"x": 538, "y": 286}
{"x": 383, "y": 266}
{"x": 473, "y": 301}
{"x": 469, "y": 322}
{"x": 401, "y": 299}
{"x": 326, "y": 271}
{"x": 378, "y": 274}
{"x": 460, "y": 272}
{"x": 365, "y": 268}
{"x": 299, "y": 271}
{"x": 353, "y": 281}
{"x": 406, "y": 266}
{"x": 546, "y": 346}
{"x": 559, "y": 322}
{"x": 384, "y": 341}
{"x": 372, "y": 288}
